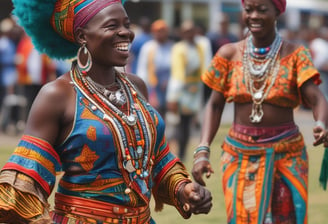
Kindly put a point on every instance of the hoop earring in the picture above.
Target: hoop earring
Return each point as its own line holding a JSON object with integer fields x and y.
{"x": 84, "y": 68}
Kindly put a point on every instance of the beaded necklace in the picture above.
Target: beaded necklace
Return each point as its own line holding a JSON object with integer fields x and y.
{"x": 260, "y": 51}
{"x": 260, "y": 75}
{"x": 133, "y": 133}
{"x": 117, "y": 97}
{"x": 258, "y": 66}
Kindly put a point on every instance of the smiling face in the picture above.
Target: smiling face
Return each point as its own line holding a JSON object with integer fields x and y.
{"x": 260, "y": 17}
{"x": 108, "y": 36}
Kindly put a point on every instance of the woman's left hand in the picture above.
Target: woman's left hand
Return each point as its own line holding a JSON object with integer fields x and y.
{"x": 320, "y": 135}
{"x": 195, "y": 198}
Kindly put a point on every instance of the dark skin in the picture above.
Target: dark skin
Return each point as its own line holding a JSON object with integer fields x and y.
{"x": 259, "y": 16}
{"x": 107, "y": 36}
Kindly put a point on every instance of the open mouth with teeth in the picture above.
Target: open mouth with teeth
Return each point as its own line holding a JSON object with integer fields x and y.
{"x": 123, "y": 46}
{"x": 255, "y": 25}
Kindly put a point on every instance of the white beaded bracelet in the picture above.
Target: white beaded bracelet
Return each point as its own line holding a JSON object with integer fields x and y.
{"x": 200, "y": 159}
{"x": 320, "y": 124}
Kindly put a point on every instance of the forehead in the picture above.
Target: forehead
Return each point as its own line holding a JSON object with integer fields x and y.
{"x": 259, "y": 3}
{"x": 114, "y": 11}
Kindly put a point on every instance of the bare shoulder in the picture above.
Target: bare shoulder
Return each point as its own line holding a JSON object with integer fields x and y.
{"x": 289, "y": 47}
{"x": 52, "y": 109}
{"x": 57, "y": 90}
{"x": 54, "y": 98}
{"x": 231, "y": 50}
{"x": 139, "y": 83}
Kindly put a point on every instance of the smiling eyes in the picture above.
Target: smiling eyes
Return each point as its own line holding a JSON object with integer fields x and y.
{"x": 260, "y": 9}
{"x": 116, "y": 25}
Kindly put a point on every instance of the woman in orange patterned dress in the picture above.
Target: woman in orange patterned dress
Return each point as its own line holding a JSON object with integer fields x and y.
{"x": 264, "y": 159}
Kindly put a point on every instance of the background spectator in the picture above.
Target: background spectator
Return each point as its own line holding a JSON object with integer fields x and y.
{"x": 140, "y": 39}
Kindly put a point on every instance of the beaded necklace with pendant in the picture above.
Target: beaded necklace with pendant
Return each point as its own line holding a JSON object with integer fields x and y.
{"x": 117, "y": 97}
{"x": 135, "y": 138}
{"x": 259, "y": 80}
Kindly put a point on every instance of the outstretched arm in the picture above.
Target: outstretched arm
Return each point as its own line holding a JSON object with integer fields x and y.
{"x": 24, "y": 187}
{"x": 313, "y": 97}
{"x": 211, "y": 123}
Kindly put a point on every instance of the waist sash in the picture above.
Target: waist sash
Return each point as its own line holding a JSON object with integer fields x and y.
{"x": 86, "y": 209}
{"x": 250, "y": 168}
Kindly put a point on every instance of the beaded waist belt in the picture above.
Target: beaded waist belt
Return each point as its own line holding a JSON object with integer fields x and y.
{"x": 100, "y": 211}
{"x": 263, "y": 134}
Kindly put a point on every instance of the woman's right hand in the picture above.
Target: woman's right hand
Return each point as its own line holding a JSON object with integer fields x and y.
{"x": 201, "y": 166}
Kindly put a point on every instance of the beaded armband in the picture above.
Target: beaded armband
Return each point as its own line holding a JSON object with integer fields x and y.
{"x": 37, "y": 159}
{"x": 167, "y": 190}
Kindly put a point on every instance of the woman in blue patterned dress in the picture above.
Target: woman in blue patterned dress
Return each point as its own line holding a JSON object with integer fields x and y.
{"x": 94, "y": 125}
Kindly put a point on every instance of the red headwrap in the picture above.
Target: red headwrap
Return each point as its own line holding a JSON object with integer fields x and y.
{"x": 280, "y": 5}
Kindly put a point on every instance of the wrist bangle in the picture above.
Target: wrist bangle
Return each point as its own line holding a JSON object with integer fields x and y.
{"x": 202, "y": 148}
{"x": 200, "y": 159}
{"x": 181, "y": 205}
{"x": 320, "y": 124}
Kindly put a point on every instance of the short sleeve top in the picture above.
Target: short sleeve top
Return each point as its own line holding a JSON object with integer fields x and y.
{"x": 295, "y": 69}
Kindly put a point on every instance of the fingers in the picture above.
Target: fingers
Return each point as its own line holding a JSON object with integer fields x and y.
{"x": 204, "y": 209}
{"x": 199, "y": 170}
{"x": 200, "y": 200}
{"x": 197, "y": 175}
{"x": 320, "y": 135}
{"x": 209, "y": 171}
{"x": 198, "y": 194}
{"x": 320, "y": 138}
{"x": 200, "y": 180}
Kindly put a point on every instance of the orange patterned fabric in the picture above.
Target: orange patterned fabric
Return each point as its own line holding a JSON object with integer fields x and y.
{"x": 295, "y": 69}
{"x": 265, "y": 182}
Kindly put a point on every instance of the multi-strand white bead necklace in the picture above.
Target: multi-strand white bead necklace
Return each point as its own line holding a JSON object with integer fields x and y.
{"x": 260, "y": 72}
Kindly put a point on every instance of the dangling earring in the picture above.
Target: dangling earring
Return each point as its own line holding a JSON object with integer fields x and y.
{"x": 84, "y": 68}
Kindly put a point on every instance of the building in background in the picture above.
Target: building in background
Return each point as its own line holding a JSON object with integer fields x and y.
{"x": 206, "y": 12}
{"x": 300, "y": 13}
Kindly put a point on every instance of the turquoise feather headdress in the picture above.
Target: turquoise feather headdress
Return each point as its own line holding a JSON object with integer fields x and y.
{"x": 35, "y": 17}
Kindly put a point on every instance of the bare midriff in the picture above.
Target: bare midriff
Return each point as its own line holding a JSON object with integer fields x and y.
{"x": 273, "y": 115}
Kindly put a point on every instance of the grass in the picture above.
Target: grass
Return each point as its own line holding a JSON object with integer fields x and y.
{"x": 318, "y": 198}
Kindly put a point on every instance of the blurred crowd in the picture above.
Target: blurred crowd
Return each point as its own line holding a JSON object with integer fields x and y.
{"x": 169, "y": 60}
{"x": 23, "y": 71}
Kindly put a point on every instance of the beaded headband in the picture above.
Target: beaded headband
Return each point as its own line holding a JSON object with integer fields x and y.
{"x": 280, "y": 5}
{"x": 51, "y": 23}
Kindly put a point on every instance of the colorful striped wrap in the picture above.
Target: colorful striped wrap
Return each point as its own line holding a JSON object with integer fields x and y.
{"x": 35, "y": 158}
{"x": 265, "y": 182}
